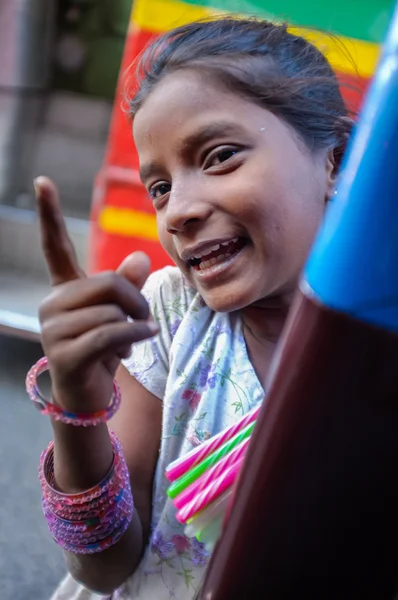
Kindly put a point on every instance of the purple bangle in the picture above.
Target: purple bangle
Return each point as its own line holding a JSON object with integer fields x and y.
{"x": 95, "y": 519}
{"x": 69, "y": 501}
{"x": 56, "y": 412}
{"x": 97, "y": 546}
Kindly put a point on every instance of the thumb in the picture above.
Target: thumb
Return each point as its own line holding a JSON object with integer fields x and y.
{"x": 135, "y": 268}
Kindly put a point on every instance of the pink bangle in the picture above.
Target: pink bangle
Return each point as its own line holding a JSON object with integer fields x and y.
{"x": 56, "y": 412}
{"x": 95, "y": 519}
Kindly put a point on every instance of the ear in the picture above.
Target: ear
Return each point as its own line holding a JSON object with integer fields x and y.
{"x": 331, "y": 169}
{"x": 344, "y": 127}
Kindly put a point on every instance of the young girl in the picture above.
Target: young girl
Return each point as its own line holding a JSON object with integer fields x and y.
{"x": 239, "y": 127}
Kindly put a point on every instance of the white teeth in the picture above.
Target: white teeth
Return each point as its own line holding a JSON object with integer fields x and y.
{"x": 207, "y": 252}
{"x": 214, "y": 248}
{"x": 205, "y": 264}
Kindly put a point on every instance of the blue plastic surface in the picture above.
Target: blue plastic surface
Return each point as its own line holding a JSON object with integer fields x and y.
{"x": 353, "y": 266}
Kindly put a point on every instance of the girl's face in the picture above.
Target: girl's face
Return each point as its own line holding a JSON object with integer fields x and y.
{"x": 238, "y": 197}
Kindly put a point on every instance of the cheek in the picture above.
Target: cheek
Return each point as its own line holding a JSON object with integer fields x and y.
{"x": 165, "y": 238}
{"x": 297, "y": 196}
{"x": 283, "y": 210}
{"x": 261, "y": 200}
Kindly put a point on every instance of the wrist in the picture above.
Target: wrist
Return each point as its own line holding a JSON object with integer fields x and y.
{"x": 82, "y": 457}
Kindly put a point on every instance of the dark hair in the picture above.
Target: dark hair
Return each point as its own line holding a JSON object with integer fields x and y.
{"x": 261, "y": 61}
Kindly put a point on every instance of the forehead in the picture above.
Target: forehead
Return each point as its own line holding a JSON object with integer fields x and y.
{"x": 185, "y": 101}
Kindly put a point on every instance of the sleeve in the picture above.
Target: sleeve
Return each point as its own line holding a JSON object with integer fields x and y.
{"x": 149, "y": 360}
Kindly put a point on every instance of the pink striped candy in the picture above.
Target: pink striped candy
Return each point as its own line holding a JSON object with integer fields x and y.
{"x": 211, "y": 475}
{"x": 210, "y": 493}
{"x": 180, "y": 466}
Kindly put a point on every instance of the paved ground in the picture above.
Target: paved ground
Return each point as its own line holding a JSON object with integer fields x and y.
{"x": 30, "y": 562}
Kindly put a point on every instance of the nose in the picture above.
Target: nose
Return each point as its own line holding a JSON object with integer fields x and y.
{"x": 187, "y": 206}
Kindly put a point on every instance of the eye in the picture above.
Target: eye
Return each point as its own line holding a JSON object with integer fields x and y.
{"x": 220, "y": 156}
{"x": 159, "y": 189}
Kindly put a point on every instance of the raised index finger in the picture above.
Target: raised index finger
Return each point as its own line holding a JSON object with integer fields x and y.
{"x": 57, "y": 246}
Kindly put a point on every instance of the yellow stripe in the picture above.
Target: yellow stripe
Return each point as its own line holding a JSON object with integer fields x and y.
{"x": 162, "y": 15}
{"x": 346, "y": 55}
{"x": 128, "y": 222}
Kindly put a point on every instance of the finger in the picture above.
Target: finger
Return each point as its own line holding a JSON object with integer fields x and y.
{"x": 125, "y": 353}
{"x": 102, "y": 288}
{"x": 106, "y": 341}
{"x": 136, "y": 268}
{"x": 57, "y": 246}
{"x": 69, "y": 325}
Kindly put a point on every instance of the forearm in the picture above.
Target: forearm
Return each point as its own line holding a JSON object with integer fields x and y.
{"x": 105, "y": 571}
{"x": 82, "y": 458}
{"x": 85, "y": 333}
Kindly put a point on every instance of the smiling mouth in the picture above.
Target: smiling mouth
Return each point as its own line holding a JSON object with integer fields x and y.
{"x": 218, "y": 253}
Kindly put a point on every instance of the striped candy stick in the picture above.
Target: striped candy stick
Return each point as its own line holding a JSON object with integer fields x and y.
{"x": 209, "y": 530}
{"x": 211, "y": 493}
{"x": 179, "y": 485}
{"x": 211, "y": 475}
{"x": 200, "y": 521}
{"x": 180, "y": 466}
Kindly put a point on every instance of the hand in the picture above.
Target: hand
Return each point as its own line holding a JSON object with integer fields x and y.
{"x": 85, "y": 331}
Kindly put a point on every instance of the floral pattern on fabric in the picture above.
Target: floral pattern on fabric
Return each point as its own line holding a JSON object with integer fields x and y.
{"x": 199, "y": 368}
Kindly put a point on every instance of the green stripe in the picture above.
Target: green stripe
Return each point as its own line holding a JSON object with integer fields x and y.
{"x": 360, "y": 19}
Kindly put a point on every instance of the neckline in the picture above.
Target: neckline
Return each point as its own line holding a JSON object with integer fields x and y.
{"x": 245, "y": 351}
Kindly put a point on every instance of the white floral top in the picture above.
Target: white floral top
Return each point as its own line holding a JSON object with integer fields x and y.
{"x": 199, "y": 368}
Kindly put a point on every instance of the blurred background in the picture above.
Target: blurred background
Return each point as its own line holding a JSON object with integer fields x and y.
{"x": 61, "y": 115}
{"x": 59, "y": 64}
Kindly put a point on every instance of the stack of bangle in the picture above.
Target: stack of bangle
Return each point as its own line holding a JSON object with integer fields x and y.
{"x": 93, "y": 520}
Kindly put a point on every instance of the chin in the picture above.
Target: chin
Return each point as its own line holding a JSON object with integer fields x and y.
{"x": 224, "y": 302}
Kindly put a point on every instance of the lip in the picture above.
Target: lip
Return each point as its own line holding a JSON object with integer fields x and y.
{"x": 192, "y": 251}
{"x": 213, "y": 273}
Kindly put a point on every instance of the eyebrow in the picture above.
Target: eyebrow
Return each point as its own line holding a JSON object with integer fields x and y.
{"x": 195, "y": 139}
{"x": 147, "y": 170}
{"x": 209, "y": 132}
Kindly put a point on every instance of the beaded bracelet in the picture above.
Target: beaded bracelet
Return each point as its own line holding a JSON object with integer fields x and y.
{"x": 95, "y": 519}
{"x": 56, "y": 412}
